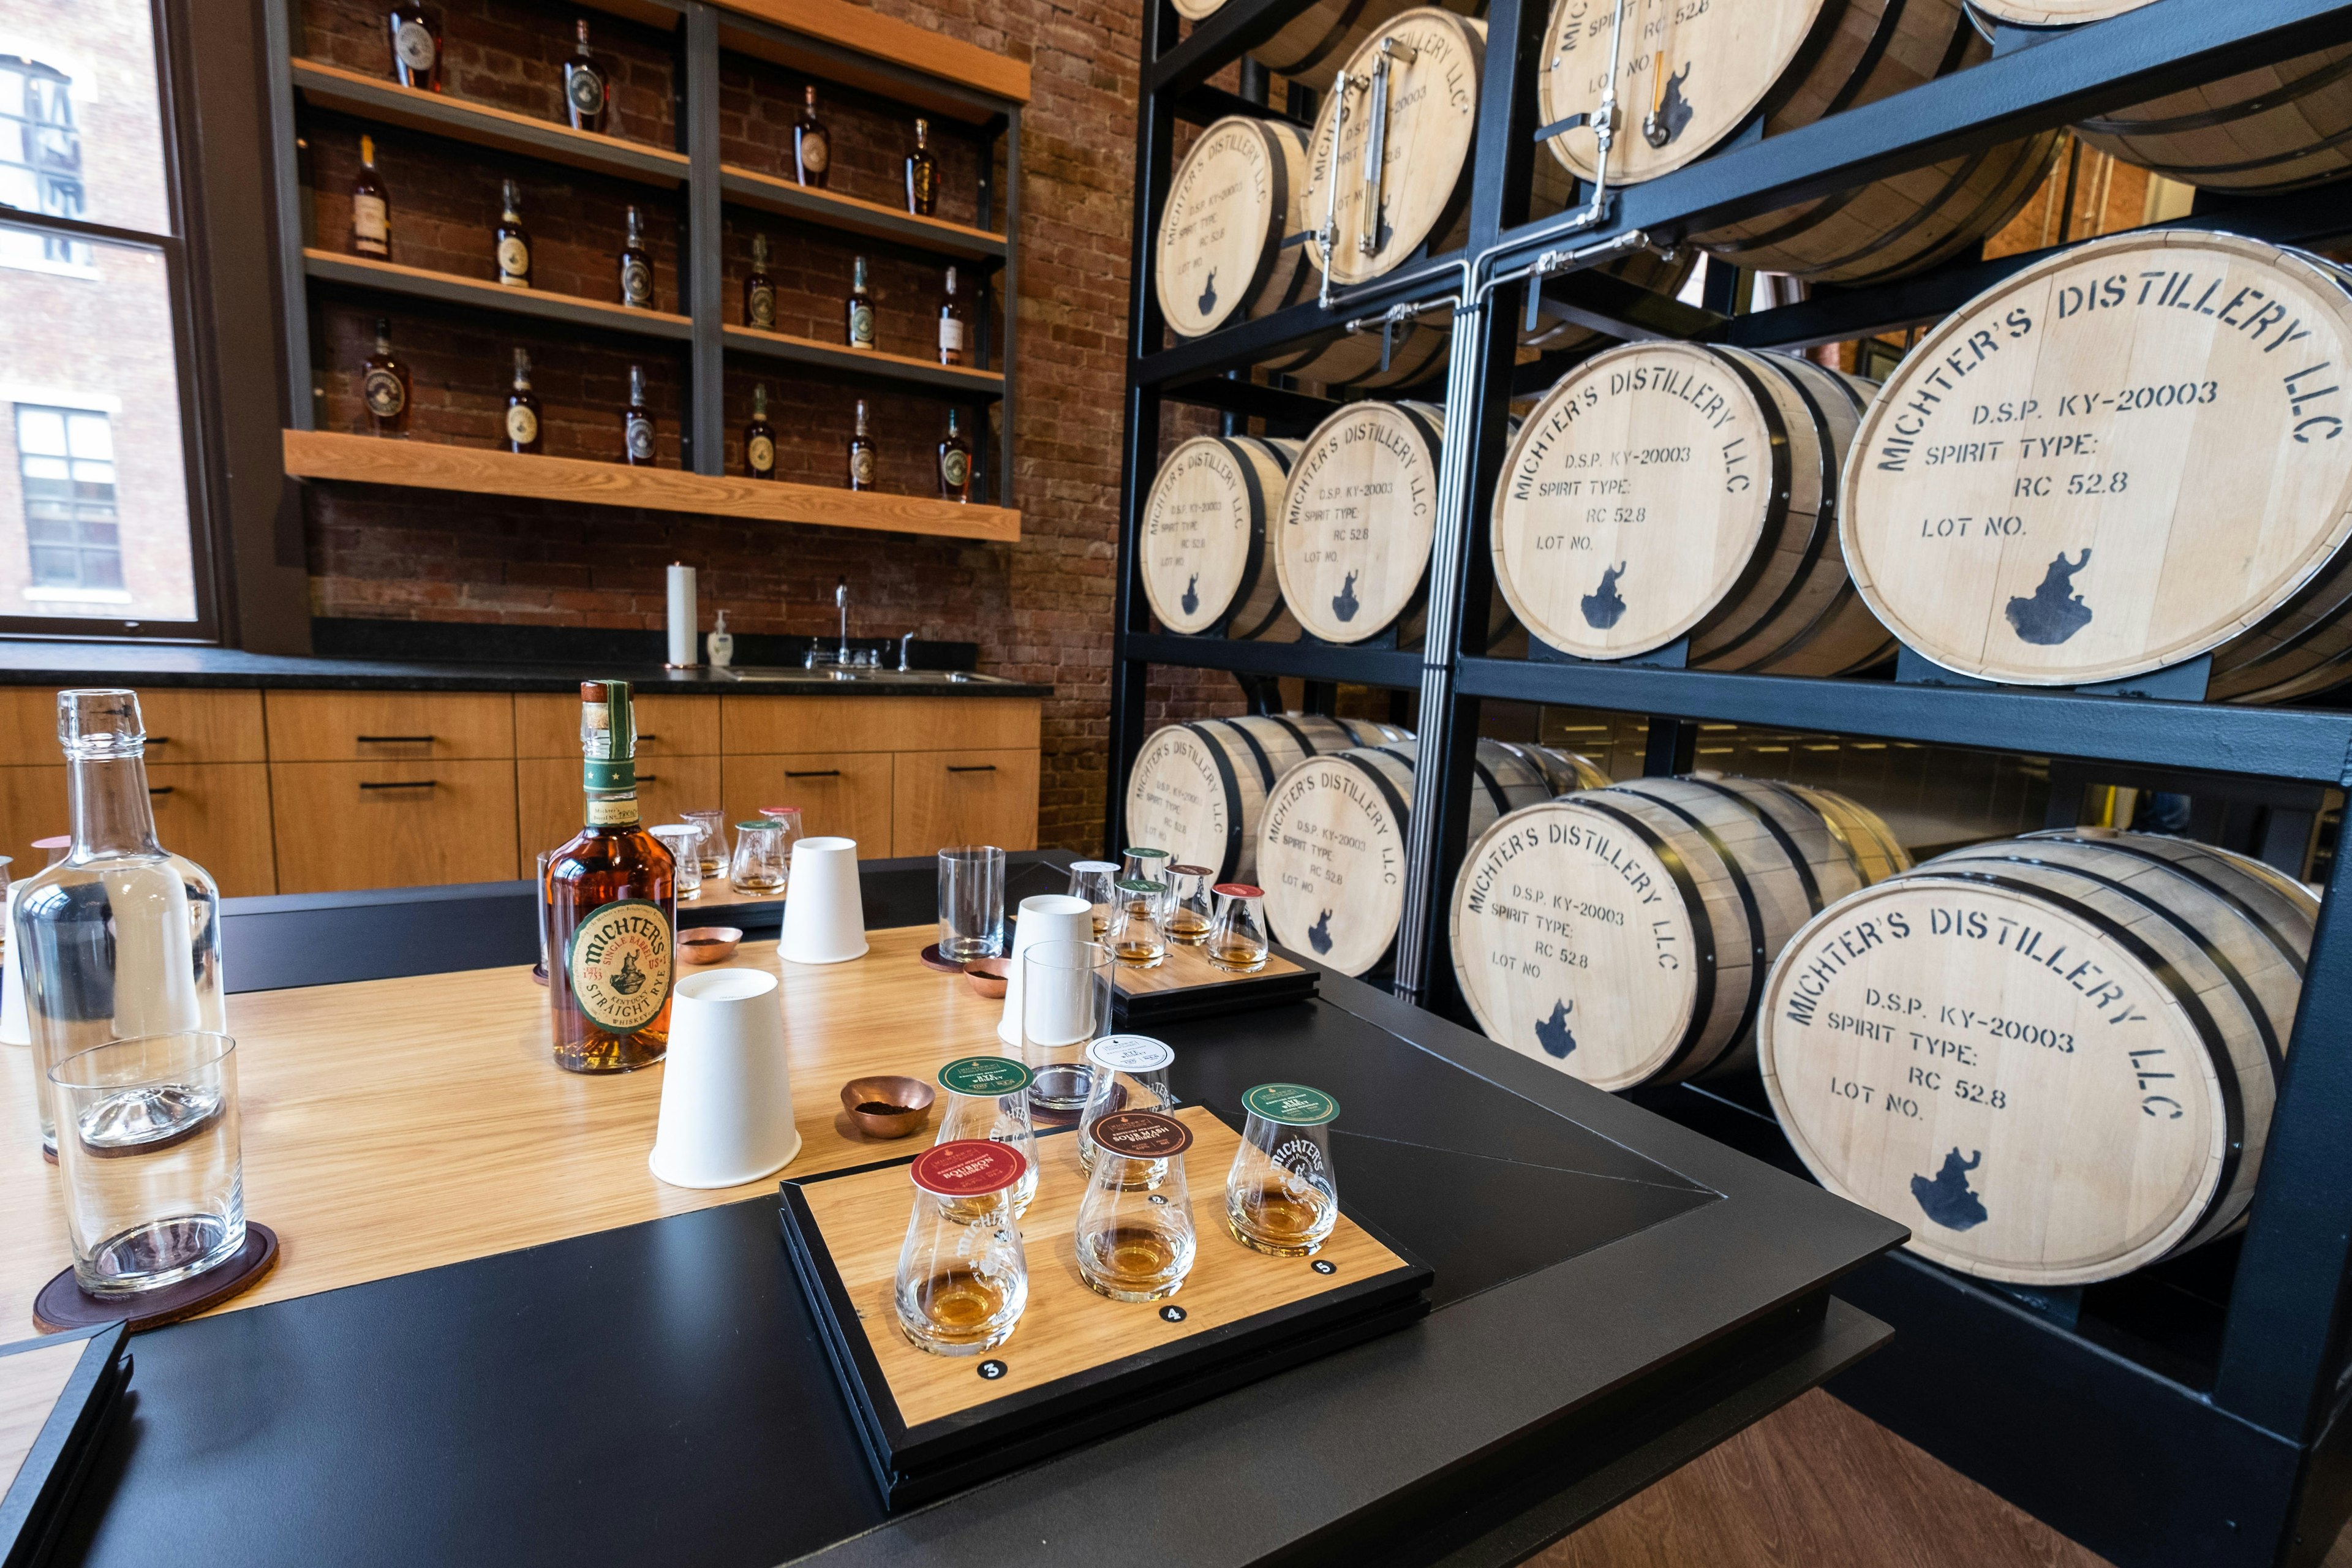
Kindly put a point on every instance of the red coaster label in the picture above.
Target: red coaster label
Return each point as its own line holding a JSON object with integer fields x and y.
{"x": 1141, "y": 1134}
{"x": 968, "y": 1168}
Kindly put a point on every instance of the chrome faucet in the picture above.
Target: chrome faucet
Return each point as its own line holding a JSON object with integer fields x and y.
{"x": 841, "y": 602}
{"x": 907, "y": 652}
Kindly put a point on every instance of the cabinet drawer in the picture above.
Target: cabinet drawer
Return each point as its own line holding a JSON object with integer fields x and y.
{"x": 940, "y": 798}
{"x": 217, "y": 814}
{"x": 752, "y": 726}
{"x": 547, "y": 789}
{"x": 547, "y": 724}
{"x": 372, "y": 726}
{"x": 392, "y": 825}
{"x": 183, "y": 726}
{"x": 32, "y": 805}
{"x": 845, "y": 794}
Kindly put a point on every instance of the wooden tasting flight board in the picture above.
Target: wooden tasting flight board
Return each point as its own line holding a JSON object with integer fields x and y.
{"x": 1187, "y": 985}
{"x": 1076, "y": 1363}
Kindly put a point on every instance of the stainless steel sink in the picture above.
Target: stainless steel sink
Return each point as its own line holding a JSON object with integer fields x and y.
{"x": 827, "y": 676}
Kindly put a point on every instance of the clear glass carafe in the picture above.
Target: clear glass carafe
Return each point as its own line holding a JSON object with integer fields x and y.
{"x": 121, "y": 937}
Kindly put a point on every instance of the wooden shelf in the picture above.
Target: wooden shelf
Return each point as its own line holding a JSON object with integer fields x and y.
{"x": 371, "y": 98}
{"x": 367, "y": 459}
{"x": 483, "y": 295}
{"x": 853, "y": 215}
{"x": 866, "y": 361}
{"x": 825, "y": 37}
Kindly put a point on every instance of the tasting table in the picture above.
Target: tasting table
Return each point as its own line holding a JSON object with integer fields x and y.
{"x": 492, "y": 1336}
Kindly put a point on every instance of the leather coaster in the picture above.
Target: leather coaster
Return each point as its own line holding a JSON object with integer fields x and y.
{"x": 931, "y": 959}
{"x": 62, "y": 1304}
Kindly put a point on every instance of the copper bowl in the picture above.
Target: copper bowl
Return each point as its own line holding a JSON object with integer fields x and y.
{"x": 989, "y": 976}
{"x": 887, "y": 1107}
{"x": 708, "y": 944}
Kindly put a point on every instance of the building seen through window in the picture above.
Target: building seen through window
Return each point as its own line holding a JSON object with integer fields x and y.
{"x": 40, "y": 153}
{"x": 66, "y": 456}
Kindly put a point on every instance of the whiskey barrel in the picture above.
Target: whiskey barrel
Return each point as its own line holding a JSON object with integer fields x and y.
{"x": 1205, "y": 561}
{"x": 1622, "y": 935}
{"x": 1418, "y": 192}
{"x": 2053, "y": 1057}
{"x": 1315, "y": 42}
{"x": 1666, "y": 489}
{"x": 1197, "y": 789}
{"x": 1331, "y": 844}
{"x": 2117, "y": 459}
{"x": 1358, "y": 516}
{"x": 1417, "y": 351}
{"x": 1230, "y": 243}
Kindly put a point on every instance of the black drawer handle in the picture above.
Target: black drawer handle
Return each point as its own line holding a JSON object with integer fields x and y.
{"x": 161, "y": 789}
{"x": 819, "y": 774}
{"x": 159, "y": 740}
{"x": 403, "y": 783}
{"x": 644, "y": 735}
{"x": 972, "y": 768}
{"x": 650, "y": 778}
{"x": 395, "y": 739}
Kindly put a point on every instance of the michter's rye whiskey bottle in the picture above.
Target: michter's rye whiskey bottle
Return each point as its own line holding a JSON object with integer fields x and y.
{"x": 637, "y": 267}
{"x": 384, "y": 383}
{"x": 812, "y": 147}
{"x": 415, "y": 46}
{"x": 587, "y": 88}
{"x": 636, "y": 423}
{"x": 611, "y": 917}
{"x": 760, "y": 437}
{"x": 861, "y": 308}
{"x": 371, "y": 208}
{"x": 759, "y": 288}
{"x": 522, "y": 408}
{"x": 861, "y": 454}
{"x": 513, "y": 244}
{"x": 955, "y": 463}
{"x": 922, "y": 174}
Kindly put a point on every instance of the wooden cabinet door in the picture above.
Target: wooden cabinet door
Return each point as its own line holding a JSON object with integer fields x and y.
{"x": 547, "y": 724}
{"x": 185, "y": 726}
{"x": 389, "y": 726}
{"x": 548, "y": 795}
{"x": 845, "y": 794}
{"x": 217, "y": 814}
{"x": 32, "y": 805}
{"x": 342, "y": 825}
{"x": 796, "y": 725}
{"x": 940, "y": 798}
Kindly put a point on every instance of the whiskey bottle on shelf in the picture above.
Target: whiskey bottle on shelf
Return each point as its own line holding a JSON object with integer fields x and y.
{"x": 955, "y": 464}
{"x": 759, "y": 288}
{"x": 861, "y": 308}
{"x": 922, "y": 174}
{"x": 587, "y": 86}
{"x": 513, "y": 242}
{"x": 951, "y": 324}
{"x": 416, "y": 35}
{"x": 384, "y": 383}
{"x": 522, "y": 408}
{"x": 371, "y": 207}
{"x": 760, "y": 437}
{"x": 612, "y": 908}
{"x": 637, "y": 424}
{"x": 636, "y": 267}
{"x": 861, "y": 454}
{"x": 811, "y": 145}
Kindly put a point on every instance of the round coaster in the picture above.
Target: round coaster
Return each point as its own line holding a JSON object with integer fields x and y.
{"x": 931, "y": 959}
{"x": 62, "y": 1304}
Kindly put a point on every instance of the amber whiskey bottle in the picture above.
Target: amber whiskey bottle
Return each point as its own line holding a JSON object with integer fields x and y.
{"x": 612, "y": 908}
{"x": 861, "y": 308}
{"x": 371, "y": 207}
{"x": 861, "y": 454}
{"x": 811, "y": 145}
{"x": 952, "y": 323}
{"x": 522, "y": 408}
{"x": 636, "y": 267}
{"x": 922, "y": 174}
{"x": 760, "y": 437}
{"x": 513, "y": 241}
{"x": 637, "y": 424}
{"x": 384, "y": 383}
{"x": 955, "y": 463}
{"x": 759, "y": 288}
{"x": 587, "y": 86}
{"x": 416, "y": 35}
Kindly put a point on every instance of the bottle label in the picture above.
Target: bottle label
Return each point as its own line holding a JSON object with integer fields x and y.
{"x": 861, "y": 325}
{"x": 371, "y": 226}
{"x": 522, "y": 426}
{"x": 514, "y": 262}
{"x": 585, "y": 89}
{"x": 413, "y": 44}
{"x": 641, "y": 439}
{"x": 950, "y": 334}
{"x": 760, "y": 452}
{"x": 955, "y": 466}
{"x": 611, "y": 812}
{"x": 761, "y": 309}
{"x": 636, "y": 284}
{"x": 386, "y": 397}
{"x": 814, "y": 151}
{"x": 861, "y": 466}
{"x": 619, "y": 965}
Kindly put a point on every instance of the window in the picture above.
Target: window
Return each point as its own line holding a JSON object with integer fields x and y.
{"x": 40, "y": 154}
{"x": 66, "y": 457}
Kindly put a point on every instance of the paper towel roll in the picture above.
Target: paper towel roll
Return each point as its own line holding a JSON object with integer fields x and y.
{"x": 683, "y": 622}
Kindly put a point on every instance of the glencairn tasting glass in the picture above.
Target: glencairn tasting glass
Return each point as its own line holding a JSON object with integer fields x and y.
{"x": 1139, "y": 923}
{"x": 1131, "y": 1074}
{"x": 1134, "y": 1236}
{"x": 1091, "y": 880}
{"x": 1144, "y": 864}
{"x": 1282, "y": 1195}
{"x": 988, "y": 1101}
{"x": 1237, "y": 941}
{"x": 121, "y": 937}
{"x": 1190, "y": 912}
{"x": 759, "y": 865}
{"x": 962, "y": 1278}
{"x": 612, "y": 904}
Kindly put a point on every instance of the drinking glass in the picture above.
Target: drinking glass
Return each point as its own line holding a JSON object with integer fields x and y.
{"x": 1139, "y": 923}
{"x": 788, "y": 817}
{"x": 988, "y": 1101}
{"x": 971, "y": 903}
{"x": 714, "y": 839}
{"x": 1065, "y": 998}
{"x": 1134, "y": 1238}
{"x": 759, "y": 867}
{"x": 1145, "y": 865}
{"x": 1190, "y": 911}
{"x": 149, "y": 1159}
{"x": 1282, "y": 1194}
{"x": 1237, "y": 943}
{"x": 1091, "y": 880}
{"x": 1130, "y": 1073}
{"x": 55, "y": 848}
{"x": 962, "y": 1277}
{"x": 684, "y": 842}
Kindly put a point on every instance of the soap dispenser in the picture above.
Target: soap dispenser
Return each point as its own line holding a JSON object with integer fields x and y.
{"x": 720, "y": 644}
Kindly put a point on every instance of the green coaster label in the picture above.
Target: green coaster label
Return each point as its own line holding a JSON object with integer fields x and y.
{"x": 984, "y": 1074}
{"x": 1291, "y": 1104}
